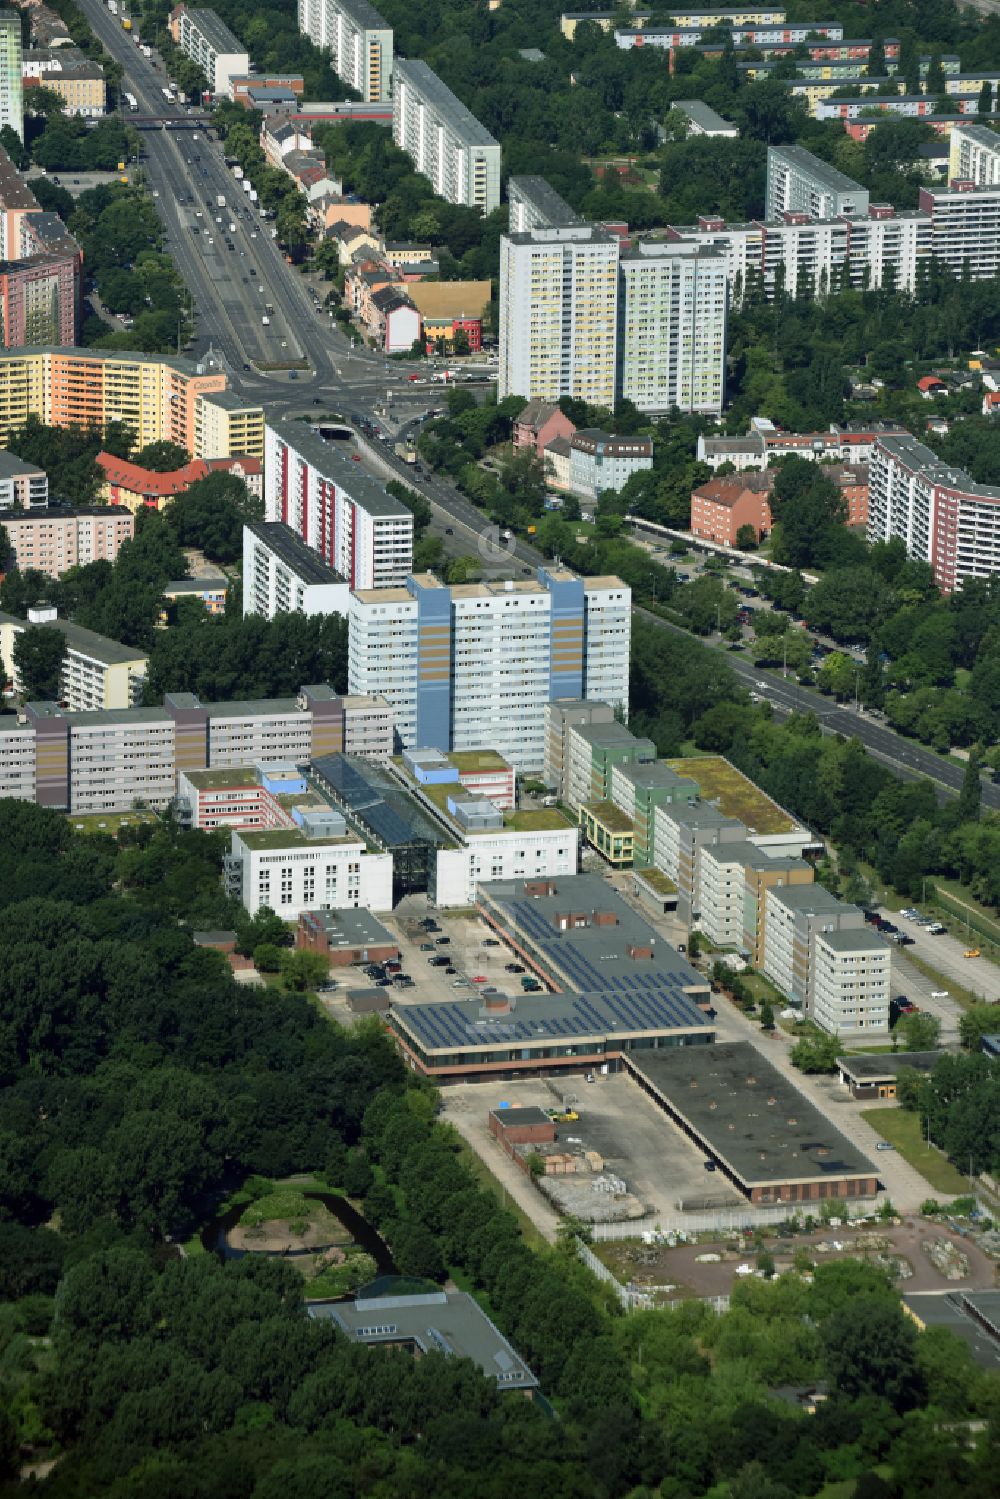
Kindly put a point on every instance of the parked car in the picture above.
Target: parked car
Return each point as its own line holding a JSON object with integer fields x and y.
{"x": 709, "y": 1165}
{"x": 439, "y": 962}
{"x": 885, "y": 1145}
{"x": 427, "y": 947}
{"x": 940, "y": 994}
{"x": 450, "y": 969}
{"x": 479, "y": 978}
{"x": 490, "y": 942}
{"x": 442, "y": 941}
{"x": 972, "y": 952}
{"x": 514, "y": 967}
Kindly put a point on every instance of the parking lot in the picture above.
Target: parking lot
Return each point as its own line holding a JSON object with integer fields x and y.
{"x": 634, "y": 1138}
{"x": 945, "y": 953}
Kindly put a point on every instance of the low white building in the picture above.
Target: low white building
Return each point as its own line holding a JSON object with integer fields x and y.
{"x": 291, "y": 872}
{"x": 282, "y": 575}
{"x": 598, "y": 461}
{"x": 503, "y": 855}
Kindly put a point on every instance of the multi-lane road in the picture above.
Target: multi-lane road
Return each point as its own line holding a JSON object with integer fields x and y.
{"x": 189, "y": 175}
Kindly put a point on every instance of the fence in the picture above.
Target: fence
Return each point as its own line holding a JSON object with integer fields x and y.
{"x": 970, "y": 918}
{"x": 729, "y": 1220}
{"x": 631, "y": 1300}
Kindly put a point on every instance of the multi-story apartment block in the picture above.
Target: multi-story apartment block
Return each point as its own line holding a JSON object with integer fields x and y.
{"x": 672, "y": 327}
{"x": 444, "y": 141}
{"x": 281, "y": 575}
{"x": 819, "y": 952}
{"x": 158, "y": 398}
{"x": 22, "y": 485}
{"x": 40, "y": 267}
{"x": 558, "y": 314}
{"x": 799, "y": 182}
{"x": 592, "y": 750}
{"x": 476, "y": 663}
{"x": 974, "y": 155}
{"x": 640, "y": 790}
{"x": 52, "y": 540}
{"x": 965, "y": 227}
{"x": 562, "y": 716}
{"x": 358, "y": 40}
{"x": 225, "y": 424}
{"x": 749, "y": 34}
{"x": 354, "y": 525}
{"x": 11, "y": 86}
{"x": 208, "y": 41}
{"x": 96, "y": 673}
{"x": 534, "y": 204}
{"x": 68, "y": 72}
{"x": 138, "y": 488}
{"x": 944, "y": 517}
{"x": 850, "y": 443}
{"x": 103, "y": 761}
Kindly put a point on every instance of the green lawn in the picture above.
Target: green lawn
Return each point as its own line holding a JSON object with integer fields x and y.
{"x": 905, "y": 1131}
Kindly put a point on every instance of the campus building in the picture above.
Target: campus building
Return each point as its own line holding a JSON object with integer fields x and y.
{"x": 358, "y": 40}
{"x": 96, "y": 672}
{"x": 944, "y": 517}
{"x": 799, "y": 182}
{"x": 159, "y": 398}
{"x": 562, "y": 716}
{"x": 51, "y": 540}
{"x": 281, "y": 575}
{"x": 11, "y": 86}
{"x": 445, "y": 142}
{"x": 476, "y": 663}
{"x": 821, "y": 954}
{"x": 208, "y": 41}
{"x": 318, "y": 861}
{"x": 342, "y": 514}
{"x": 618, "y": 988}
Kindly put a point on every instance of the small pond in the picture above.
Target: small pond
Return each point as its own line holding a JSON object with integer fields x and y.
{"x": 215, "y": 1235}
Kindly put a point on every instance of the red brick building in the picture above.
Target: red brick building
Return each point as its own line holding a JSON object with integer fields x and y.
{"x": 345, "y": 937}
{"x": 720, "y": 507}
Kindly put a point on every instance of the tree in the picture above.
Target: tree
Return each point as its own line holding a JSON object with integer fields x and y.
{"x": 816, "y": 1053}
{"x": 267, "y": 958}
{"x": 985, "y": 104}
{"x": 766, "y": 1015}
{"x": 805, "y": 505}
{"x": 971, "y": 795}
{"x": 210, "y": 514}
{"x": 870, "y": 1349}
{"x": 39, "y": 653}
{"x": 746, "y": 538}
{"x": 975, "y": 1023}
{"x": 875, "y": 67}
{"x": 302, "y": 969}
{"x": 921, "y": 1031}
{"x": 163, "y": 457}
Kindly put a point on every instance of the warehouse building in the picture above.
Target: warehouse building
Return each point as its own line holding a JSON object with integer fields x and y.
{"x": 753, "y": 1125}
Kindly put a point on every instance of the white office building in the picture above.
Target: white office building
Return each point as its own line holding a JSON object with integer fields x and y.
{"x": 281, "y": 575}
{"x": 476, "y": 664}
{"x": 444, "y": 141}
{"x": 672, "y": 327}
{"x": 341, "y": 513}
{"x": 291, "y": 872}
{"x": 358, "y": 40}
{"x": 558, "y": 314}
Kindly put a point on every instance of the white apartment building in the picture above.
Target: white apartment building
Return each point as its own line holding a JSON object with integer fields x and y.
{"x": 475, "y": 665}
{"x": 121, "y": 759}
{"x": 965, "y": 227}
{"x": 944, "y": 517}
{"x": 558, "y": 314}
{"x": 258, "y": 731}
{"x": 343, "y": 515}
{"x": 818, "y": 952}
{"x": 672, "y": 327}
{"x": 11, "y": 82}
{"x": 358, "y": 40}
{"x": 17, "y": 760}
{"x": 535, "y": 204}
{"x": 207, "y": 40}
{"x": 722, "y": 890}
{"x": 281, "y": 575}
{"x": 799, "y": 182}
{"x": 285, "y": 869}
{"x": 444, "y": 141}
{"x": 52, "y": 540}
{"x": 974, "y": 155}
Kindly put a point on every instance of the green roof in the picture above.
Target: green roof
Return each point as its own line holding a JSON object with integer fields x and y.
{"x": 657, "y": 880}
{"x": 535, "y": 820}
{"x": 610, "y": 815}
{"x": 734, "y": 793}
{"x": 468, "y": 761}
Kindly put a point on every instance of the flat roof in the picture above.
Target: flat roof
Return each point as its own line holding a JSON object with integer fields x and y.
{"x": 749, "y": 1114}
{"x": 829, "y": 177}
{"x": 222, "y": 777}
{"x": 610, "y": 815}
{"x": 215, "y": 31}
{"x": 870, "y": 1067}
{"x": 734, "y": 793}
{"x": 448, "y": 1322}
{"x": 376, "y": 800}
{"x": 255, "y": 707}
{"x": 101, "y": 718}
{"x": 11, "y": 466}
{"x": 853, "y": 939}
{"x": 362, "y": 14}
{"x": 84, "y": 642}
{"x": 426, "y": 83}
{"x": 264, "y": 838}
{"x": 351, "y": 927}
{"x": 362, "y": 489}
{"x": 540, "y": 195}
{"x": 528, "y": 1115}
{"x": 290, "y": 549}
{"x": 973, "y": 1316}
{"x": 467, "y": 762}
